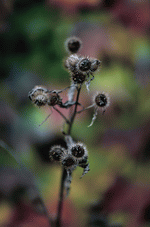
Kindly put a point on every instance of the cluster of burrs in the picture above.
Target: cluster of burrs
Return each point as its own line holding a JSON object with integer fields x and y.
{"x": 75, "y": 155}
{"x": 41, "y": 96}
{"x": 81, "y": 69}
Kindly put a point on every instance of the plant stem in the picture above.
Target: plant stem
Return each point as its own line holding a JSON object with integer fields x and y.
{"x": 64, "y": 172}
{"x": 61, "y": 197}
{"x": 75, "y": 111}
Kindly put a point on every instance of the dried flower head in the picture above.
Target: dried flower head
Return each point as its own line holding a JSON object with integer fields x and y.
{"x": 54, "y": 99}
{"x": 68, "y": 161}
{"x": 79, "y": 66}
{"x": 71, "y": 63}
{"x": 39, "y": 96}
{"x": 56, "y": 152}
{"x": 78, "y": 78}
{"x": 84, "y": 65}
{"x": 95, "y": 64}
{"x": 73, "y": 44}
{"x": 79, "y": 151}
{"x": 102, "y": 100}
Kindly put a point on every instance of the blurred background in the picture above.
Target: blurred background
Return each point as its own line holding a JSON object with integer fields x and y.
{"x": 116, "y": 191}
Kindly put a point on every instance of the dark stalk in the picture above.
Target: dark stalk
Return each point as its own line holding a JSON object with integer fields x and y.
{"x": 61, "y": 198}
{"x": 75, "y": 111}
{"x": 64, "y": 172}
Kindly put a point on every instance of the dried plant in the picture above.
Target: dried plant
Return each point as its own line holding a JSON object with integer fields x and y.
{"x": 81, "y": 70}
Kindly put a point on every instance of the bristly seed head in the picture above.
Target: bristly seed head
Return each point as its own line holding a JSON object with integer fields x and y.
{"x": 78, "y": 78}
{"x": 56, "y": 152}
{"x": 84, "y": 65}
{"x": 95, "y": 64}
{"x": 101, "y": 100}
{"x": 69, "y": 162}
{"x": 71, "y": 62}
{"x": 39, "y": 96}
{"x": 79, "y": 151}
{"x": 54, "y": 99}
{"x": 73, "y": 44}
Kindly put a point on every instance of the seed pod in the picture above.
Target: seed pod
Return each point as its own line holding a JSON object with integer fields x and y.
{"x": 95, "y": 64}
{"x": 79, "y": 151}
{"x": 84, "y": 65}
{"x": 68, "y": 162}
{"x": 39, "y": 96}
{"x": 71, "y": 63}
{"x": 56, "y": 152}
{"x": 78, "y": 78}
{"x": 73, "y": 44}
{"x": 54, "y": 99}
{"x": 102, "y": 100}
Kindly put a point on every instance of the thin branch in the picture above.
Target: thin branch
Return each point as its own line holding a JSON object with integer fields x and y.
{"x": 67, "y": 121}
{"x": 86, "y": 108}
{"x": 45, "y": 119}
{"x": 59, "y": 91}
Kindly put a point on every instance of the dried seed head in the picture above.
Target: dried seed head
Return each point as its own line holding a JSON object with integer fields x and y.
{"x": 54, "y": 99}
{"x": 56, "y": 152}
{"x": 101, "y": 100}
{"x": 39, "y": 95}
{"x": 79, "y": 151}
{"x": 78, "y": 78}
{"x": 84, "y": 65}
{"x": 71, "y": 62}
{"x": 69, "y": 162}
{"x": 95, "y": 64}
{"x": 79, "y": 66}
{"x": 73, "y": 44}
